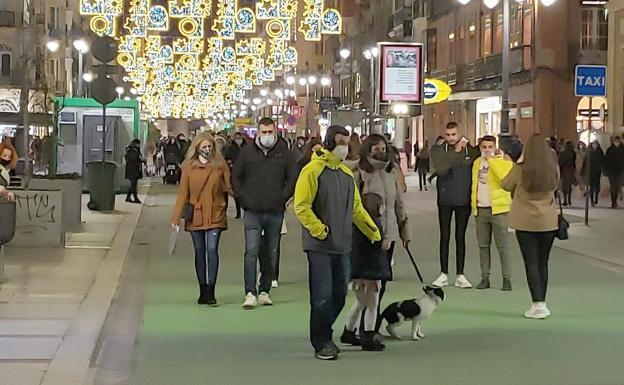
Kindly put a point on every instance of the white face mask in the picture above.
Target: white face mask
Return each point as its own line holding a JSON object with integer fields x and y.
{"x": 341, "y": 152}
{"x": 267, "y": 141}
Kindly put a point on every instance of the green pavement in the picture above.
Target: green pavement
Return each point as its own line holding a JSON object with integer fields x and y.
{"x": 475, "y": 338}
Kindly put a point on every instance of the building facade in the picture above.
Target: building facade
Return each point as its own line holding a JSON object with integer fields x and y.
{"x": 615, "y": 64}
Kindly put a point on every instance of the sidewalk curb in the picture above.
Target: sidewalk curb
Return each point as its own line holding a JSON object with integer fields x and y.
{"x": 72, "y": 361}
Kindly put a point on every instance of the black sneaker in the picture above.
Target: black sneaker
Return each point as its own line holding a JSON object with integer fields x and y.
{"x": 372, "y": 342}
{"x": 328, "y": 353}
{"x": 350, "y": 338}
{"x": 506, "y": 284}
{"x": 484, "y": 284}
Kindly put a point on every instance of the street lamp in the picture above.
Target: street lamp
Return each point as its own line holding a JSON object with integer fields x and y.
{"x": 312, "y": 79}
{"x": 120, "y": 90}
{"x": 370, "y": 55}
{"x": 345, "y": 53}
{"x": 506, "y": 67}
{"x": 82, "y": 47}
{"x": 53, "y": 45}
{"x": 87, "y": 77}
{"x": 290, "y": 80}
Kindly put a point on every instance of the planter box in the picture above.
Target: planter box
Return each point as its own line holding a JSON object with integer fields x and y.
{"x": 39, "y": 220}
{"x": 72, "y": 197}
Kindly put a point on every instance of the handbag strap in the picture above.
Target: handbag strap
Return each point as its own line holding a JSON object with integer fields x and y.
{"x": 203, "y": 186}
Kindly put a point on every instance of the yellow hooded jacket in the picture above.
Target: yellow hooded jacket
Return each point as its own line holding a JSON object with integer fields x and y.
{"x": 501, "y": 199}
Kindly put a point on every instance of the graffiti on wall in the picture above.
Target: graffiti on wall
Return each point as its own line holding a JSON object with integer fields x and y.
{"x": 35, "y": 209}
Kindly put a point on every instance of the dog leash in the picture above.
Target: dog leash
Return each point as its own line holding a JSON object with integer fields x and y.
{"x": 409, "y": 253}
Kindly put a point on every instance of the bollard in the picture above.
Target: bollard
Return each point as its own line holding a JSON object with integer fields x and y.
{"x": 7, "y": 229}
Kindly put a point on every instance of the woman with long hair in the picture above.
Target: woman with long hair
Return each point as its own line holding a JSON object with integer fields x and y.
{"x": 567, "y": 170}
{"x": 376, "y": 174}
{"x": 8, "y": 161}
{"x": 205, "y": 185}
{"x": 533, "y": 183}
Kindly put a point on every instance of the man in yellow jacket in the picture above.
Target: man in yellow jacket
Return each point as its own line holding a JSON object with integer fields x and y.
{"x": 491, "y": 205}
{"x": 327, "y": 203}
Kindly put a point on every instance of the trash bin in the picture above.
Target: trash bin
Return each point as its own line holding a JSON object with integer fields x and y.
{"x": 101, "y": 185}
{"x": 7, "y": 229}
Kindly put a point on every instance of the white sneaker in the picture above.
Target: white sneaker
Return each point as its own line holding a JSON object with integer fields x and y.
{"x": 274, "y": 284}
{"x": 462, "y": 282}
{"x": 538, "y": 310}
{"x": 264, "y": 299}
{"x": 250, "y": 301}
{"x": 441, "y": 281}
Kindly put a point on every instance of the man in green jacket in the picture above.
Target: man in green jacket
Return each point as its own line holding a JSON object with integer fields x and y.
{"x": 327, "y": 203}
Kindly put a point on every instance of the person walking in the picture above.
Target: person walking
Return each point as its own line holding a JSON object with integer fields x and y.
{"x": 490, "y": 206}
{"x": 422, "y": 166}
{"x": 313, "y": 146}
{"x": 263, "y": 178}
{"x": 377, "y": 174}
{"x": 408, "y": 153}
{"x": 592, "y": 170}
{"x": 453, "y": 159}
{"x": 533, "y": 183}
{"x": 327, "y": 203}
{"x": 8, "y": 161}
{"x": 134, "y": 169}
{"x": 354, "y": 147}
{"x": 231, "y": 154}
{"x": 614, "y": 167}
{"x": 205, "y": 185}
{"x": 567, "y": 170}
{"x": 581, "y": 153}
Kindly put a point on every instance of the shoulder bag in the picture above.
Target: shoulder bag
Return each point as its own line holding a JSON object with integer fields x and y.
{"x": 562, "y": 224}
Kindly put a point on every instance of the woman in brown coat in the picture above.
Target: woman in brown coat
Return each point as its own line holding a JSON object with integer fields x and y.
{"x": 205, "y": 184}
{"x": 533, "y": 183}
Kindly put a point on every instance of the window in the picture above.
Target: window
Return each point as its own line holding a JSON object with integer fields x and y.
{"x": 55, "y": 69}
{"x": 486, "y": 31}
{"x": 6, "y": 64}
{"x": 498, "y": 34}
{"x": 594, "y": 29}
{"x": 55, "y": 17}
{"x": 7, "y": 19}
{"x": 432, "y": 41}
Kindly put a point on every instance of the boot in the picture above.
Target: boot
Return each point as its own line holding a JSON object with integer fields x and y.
{"x": 506, "y": 284}
{"x": 350, "y": 338}
{"x": 484, "y": 284}
{"x": 128, "y": 199}
{"x": 136, "y": 199}
{"x": 371, "y": 342}
{"x": 210, "y": 295}
{"x": 202, "y": 300}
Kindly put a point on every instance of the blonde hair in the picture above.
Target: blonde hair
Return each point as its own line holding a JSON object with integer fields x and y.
{"x": 193, "y": 153}
{"x": 540, "y": 168}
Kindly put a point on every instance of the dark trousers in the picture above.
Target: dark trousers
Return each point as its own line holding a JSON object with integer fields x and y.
{"x": 615, "y": 184}
{"x": 535, "y": 248}
{"x": 238, "y": 207}
{"x": 256, "y": 223}
{"x": 382, "y": 291}
{"x": 133, "y": 189}
{"x": 462, "y": 216}
{"x": 328, "y": 278}
{"x": 422, "y": 178}
{"x": 206, "y": 245}
{"x": 263, "y": 251}
{"x": 594, "y": 190}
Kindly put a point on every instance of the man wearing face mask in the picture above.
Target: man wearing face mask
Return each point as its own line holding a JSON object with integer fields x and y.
{"x": 263, "y": 178}
{"x": 231, "y": 155}
{"x": 327, "y": 203}
{"x": 490, "y": 206}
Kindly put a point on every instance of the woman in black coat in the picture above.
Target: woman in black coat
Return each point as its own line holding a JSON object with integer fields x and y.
{"x": 592, "y": 170}
{"x": 134, "y": 169}
{"x": 567, "y": 170}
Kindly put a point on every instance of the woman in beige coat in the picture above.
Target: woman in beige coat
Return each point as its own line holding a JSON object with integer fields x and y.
{"x": 533, "y": 183}
{"x": 205, "y": 184}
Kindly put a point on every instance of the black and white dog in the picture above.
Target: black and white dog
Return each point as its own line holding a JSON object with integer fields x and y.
{"x": 415, "y": 310}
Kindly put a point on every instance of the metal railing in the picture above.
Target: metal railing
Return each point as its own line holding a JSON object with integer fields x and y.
{"x": 7, "y": 19}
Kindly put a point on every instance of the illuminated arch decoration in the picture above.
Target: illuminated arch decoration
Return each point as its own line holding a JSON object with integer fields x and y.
{"x": 193, "y": 58}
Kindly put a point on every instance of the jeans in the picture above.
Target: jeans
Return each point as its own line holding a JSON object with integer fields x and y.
{"x": 263, "y": 251}
{"x": 255, "y": 223}
{"x": 497, "y": 225}
{"x": 206, "y": 245}
{"x": 462, "y": 216}
{"x": 615, "y": 184}
{"x": 535, "y": 248}
{"x": 238, "y": 207}
{"x": 594, "y": 190}
{"x": 422, "y": 179}
{"x": 328, "y": 278}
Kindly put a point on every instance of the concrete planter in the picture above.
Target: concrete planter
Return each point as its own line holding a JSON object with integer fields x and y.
{"x": 72, "y": 197}
{"x": 39, "y": 219}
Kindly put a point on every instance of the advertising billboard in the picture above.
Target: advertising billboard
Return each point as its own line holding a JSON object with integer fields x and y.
{"x": 400, "y": 73}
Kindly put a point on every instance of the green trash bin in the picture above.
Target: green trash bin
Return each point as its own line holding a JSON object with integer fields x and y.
{"x": 101, "y": 185}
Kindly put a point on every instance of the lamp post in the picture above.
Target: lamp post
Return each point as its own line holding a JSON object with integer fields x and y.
{"x": 506, "y": 67}
{"x": 371, "y": 55}
{"x": 82, "y": 47}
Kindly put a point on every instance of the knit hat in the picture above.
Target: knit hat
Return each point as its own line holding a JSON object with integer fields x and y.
{"x": 330, "y": 136}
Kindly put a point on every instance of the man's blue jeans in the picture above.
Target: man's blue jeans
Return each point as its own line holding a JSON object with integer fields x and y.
{"x": 328, "y": 278}
{"x": 256, "y": 223}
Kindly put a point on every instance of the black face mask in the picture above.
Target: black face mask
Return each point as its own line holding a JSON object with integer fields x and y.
{"x": 380, "y": 156}
{"x": 4, "y": 162}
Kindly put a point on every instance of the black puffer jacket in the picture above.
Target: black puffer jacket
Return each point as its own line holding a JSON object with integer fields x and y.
{"x": 264, "y": 182}
{"x": 369, "y": 260}
{"x": 134, "y": 169}
{"x": 454, "y": 172}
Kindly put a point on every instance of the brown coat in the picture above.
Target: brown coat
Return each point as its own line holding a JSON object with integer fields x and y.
{"x": 530, "y": 212}
{"x": 211, "y": 205}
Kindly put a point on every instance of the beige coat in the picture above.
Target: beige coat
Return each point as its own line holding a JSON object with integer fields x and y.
{"x": 530, "y": 212}
{"x": 211, "y": 205}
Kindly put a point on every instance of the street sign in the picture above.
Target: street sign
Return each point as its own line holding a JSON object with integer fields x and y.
{"x": 436, "y": 91}
{"x": 328, "y": 103}
{"x": 104, "y": 49}
{"x": 103, "y": 90}
{"x": 590, "y": 80}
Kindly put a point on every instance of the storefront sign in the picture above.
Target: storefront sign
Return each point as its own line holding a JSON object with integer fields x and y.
{"x": 436, "y": 91}
{"x": 401, "y": 73}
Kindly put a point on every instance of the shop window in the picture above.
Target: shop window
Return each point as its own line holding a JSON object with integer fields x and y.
{"x": 486, "y": 34}
{"x": 432, "y": 41}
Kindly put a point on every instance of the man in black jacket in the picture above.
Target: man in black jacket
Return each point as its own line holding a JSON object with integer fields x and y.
{"x": 263, "y": 178}
{"x": 614, "y": 167}
{"x": 232, "y": 152}
{"x": 453, "y": 160}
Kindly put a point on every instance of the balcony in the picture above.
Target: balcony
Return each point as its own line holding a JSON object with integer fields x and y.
{"x": 7, "y": 19}
{"x": 14, "y": 79}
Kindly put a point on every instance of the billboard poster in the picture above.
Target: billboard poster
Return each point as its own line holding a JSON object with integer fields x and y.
{"x": 401, "y": 73}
